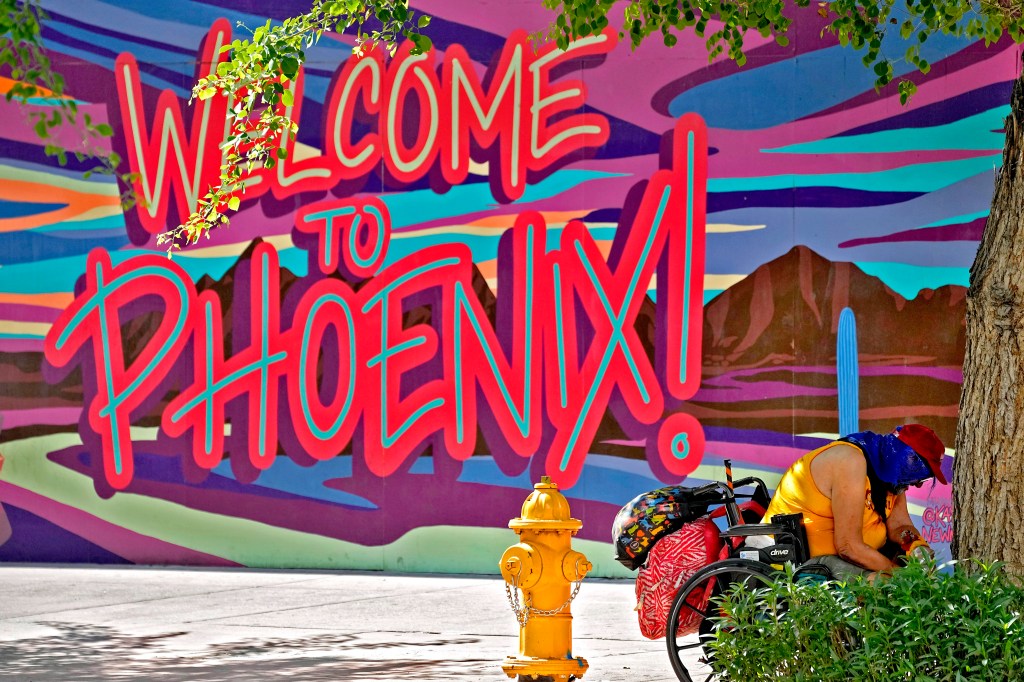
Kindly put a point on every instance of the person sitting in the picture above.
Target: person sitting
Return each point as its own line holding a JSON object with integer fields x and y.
{"x": 852, "y": 494}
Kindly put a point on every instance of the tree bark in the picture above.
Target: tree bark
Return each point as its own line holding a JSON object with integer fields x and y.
{"x": 988, "y": 472}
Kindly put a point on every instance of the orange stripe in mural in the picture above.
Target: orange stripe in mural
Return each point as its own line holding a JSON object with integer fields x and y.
{"x": 488, "y": 268}
{"x": 504, "y": 221}
{"x": 22, "y": 191}
{"x": 57, "y": 300}
{"x": 7, "y": 83}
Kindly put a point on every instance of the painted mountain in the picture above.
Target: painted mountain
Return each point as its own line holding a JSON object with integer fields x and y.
{"x": 770, "y": 350}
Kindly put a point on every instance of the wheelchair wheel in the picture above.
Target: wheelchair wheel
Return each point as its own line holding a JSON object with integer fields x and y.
{"x": 689, "y": 622}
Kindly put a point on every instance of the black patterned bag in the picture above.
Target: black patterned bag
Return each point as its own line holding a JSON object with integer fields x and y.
{"x": 650, "y": 516}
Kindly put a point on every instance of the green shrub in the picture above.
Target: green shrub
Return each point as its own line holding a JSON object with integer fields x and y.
{"x": 918, "y": 625}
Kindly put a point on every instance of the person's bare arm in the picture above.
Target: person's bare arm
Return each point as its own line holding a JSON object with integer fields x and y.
{"x": 901, "y": 528}
{"x": 849, "y": 492}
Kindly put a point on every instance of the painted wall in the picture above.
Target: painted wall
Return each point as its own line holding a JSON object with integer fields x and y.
{"x": 478, "y": 267}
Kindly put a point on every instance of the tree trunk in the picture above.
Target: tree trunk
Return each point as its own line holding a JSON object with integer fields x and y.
{"x": 988, "y": 473}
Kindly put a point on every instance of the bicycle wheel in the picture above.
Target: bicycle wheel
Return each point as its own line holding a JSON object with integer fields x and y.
{"x": 689, "y": 621}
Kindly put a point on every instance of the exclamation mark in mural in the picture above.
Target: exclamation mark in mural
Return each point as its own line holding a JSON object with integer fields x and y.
{"x": 846, "y": 373}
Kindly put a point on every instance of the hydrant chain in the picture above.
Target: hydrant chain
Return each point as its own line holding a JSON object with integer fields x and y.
{"x": 553, "y": 612}
{"x": 522, "y": 614}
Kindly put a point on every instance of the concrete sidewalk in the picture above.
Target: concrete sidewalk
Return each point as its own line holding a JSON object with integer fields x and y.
{"x": 97, "y": 623}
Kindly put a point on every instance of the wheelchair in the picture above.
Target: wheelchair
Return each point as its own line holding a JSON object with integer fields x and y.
{"x": 695, "y": 607}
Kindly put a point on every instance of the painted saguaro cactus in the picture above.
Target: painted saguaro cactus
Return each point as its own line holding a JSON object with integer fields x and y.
{"x": 846, "y": 372}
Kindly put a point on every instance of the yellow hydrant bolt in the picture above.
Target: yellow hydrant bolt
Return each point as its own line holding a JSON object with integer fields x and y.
{"x": 544, "y": 567}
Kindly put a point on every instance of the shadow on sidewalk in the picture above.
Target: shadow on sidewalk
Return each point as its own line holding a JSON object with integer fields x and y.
{"x": 90, "y": 652}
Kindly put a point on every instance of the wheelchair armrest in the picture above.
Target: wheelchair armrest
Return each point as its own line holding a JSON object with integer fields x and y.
{"x": 749, "y": 529}
{"x": 787, "y": 529}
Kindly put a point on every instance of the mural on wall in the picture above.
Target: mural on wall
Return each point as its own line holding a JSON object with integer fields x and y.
{"x": 474, "y": 267}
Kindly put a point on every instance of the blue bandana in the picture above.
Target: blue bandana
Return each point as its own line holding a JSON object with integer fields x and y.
{"x": 894, "y": 461}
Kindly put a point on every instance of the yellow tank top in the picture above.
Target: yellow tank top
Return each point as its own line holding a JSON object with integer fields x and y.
{"x": 797, "y": 493}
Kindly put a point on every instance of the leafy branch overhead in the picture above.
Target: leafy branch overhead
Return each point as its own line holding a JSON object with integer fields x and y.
{"x": 860, "y": 24}
{"x": 36, "y": 84}
{"x": 258, "y": 74}
{"x": 258, "y": 77}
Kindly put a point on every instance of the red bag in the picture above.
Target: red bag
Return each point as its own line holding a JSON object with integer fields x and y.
{"x": 670, "y": 563}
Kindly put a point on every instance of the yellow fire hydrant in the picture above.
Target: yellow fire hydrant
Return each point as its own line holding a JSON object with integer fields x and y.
{"x": 544, "y": 566}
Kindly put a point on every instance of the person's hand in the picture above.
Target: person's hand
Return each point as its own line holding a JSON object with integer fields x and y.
{"x": 919, "y": 549}
{"x": 913, "y": 545}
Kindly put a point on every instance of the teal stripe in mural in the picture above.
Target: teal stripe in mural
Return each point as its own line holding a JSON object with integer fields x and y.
{"x": 60, "y": 274}
{"x": 709, "y": 294}
{"x": 47, "y": 276}
{"x": 981, "y": 131}
{"x": 908, "y": 280}
{"x": 957, "y": 219}
{"x": 412, "y": 208}
{"x": 922, "y": 177}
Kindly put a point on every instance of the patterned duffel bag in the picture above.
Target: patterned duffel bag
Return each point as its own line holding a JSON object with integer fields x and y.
{"x": 671, "y": 562}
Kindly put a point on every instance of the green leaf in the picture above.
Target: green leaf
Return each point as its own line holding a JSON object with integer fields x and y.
{"x": 105, "y": 130}
{"x": 422, "y": 42}
{"x": 233, "y": 203}
{"x": 289, "y": 66}
{"x": 287, "y": 98}
{"x": 425, "y": 21}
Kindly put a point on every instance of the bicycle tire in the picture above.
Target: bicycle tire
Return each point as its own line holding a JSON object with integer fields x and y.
{"x": 713, "y": 579}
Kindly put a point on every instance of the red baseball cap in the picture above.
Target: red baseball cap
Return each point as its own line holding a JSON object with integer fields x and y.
{"x": 926, "y": 444}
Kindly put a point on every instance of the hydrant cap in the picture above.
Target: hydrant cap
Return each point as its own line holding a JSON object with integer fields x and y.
{"x": 546, "y": 507}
